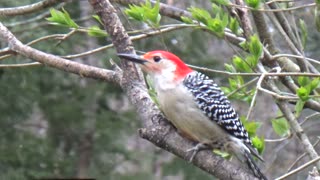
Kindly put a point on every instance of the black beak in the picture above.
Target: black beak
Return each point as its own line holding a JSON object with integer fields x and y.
{"x": 133, "y": 57}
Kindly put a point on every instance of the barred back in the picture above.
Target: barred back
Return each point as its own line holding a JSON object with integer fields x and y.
{"x": 212, "y": 101}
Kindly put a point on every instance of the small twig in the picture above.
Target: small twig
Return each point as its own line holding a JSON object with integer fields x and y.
{"x": 276, "y": 152}
{"x": 66, "y": 36}
{"x": 255, "y": 95}
{"x": 298, "y": 169}
{"x": 244, "y": 85}
{"x": 302, "y": 155}
{"x": 273, "y": 93}
{"x": 309, "y": 117}
{"x": 19, "y": 65}
{"x": 137, "y": 37}
{"x": 275, "y": 10}
{"x": 278, "y": 140}
{"x": 7, "y": 50}
{"x": 297, "y": 57}
{"x": 22, "y": 10}
{"x": 278, "y": 1}
{"x": 132, "y": 38}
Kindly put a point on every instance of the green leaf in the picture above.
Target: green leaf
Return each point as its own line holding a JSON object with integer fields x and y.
{"x": 258, "y": 143}
{"x": 200, "y": 15}
{"x": 252, "y": 61}
{"x": 303, "y": 80}
{"x": 221, "y": 2}
{"x": 281, "y": 127}
{"x": 317, "y": 16}
{"x": 234, "y": 26}
{"x": 233, "y": 83}
{"x": 152, "y": 14}
{"x": 216, "y": 26}
{"x": 223, "y": 154}
{"x": 244, "y": 45}
{"x": 145, "y": 13}
{"x": 251, "y": 126}
{"x": 225, "y": 20}
{"x": 70, "y": 22}
{"x": 225, "y": 90}
{"x": 186, "y": 20}
{"x": 299, "y": 107}
{"x": 253, "y": 3}
{"x": 229, "y": 68}
{"x": 96, "y": 32}
{"x": 303, "y": 93}
{"x": 240, "y": 64}
{"x": 304, "y": 32}
{"x": 255, "y": 46}
{"x": 61, "y": 18}
{"x": 314, "y": 83}
{"x": 96, "y": 17}
{"x": 135, "y": 12}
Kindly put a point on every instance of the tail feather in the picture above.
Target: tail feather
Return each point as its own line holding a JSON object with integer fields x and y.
{"x": 253, "y": 166}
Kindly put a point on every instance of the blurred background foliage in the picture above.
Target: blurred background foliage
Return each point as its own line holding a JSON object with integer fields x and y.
{"x": 56, "y": 124}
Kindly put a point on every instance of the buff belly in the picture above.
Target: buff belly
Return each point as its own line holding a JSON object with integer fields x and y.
{"x": 188, "y": 118}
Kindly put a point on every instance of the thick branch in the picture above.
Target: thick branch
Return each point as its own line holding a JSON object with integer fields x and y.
{"x": 55, "y": 61}
{"x": 164, "y": 136}
{"x": 244, "y": 19}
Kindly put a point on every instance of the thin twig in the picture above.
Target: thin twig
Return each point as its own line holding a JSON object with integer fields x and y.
{"x": 20, "y": 65}
{"x": 277, "y": 140}
{"x": 22, "y": 10}
{"x": 278, "y": 1}
{"x": 7, "y": 50}
{"x": 309, "y": 117}
{"x": 132, "y": 38}
{"x": 244, "y": 85}
{"x": 302, "y": 155}
{"x": 298, "y": 169}
{"x": 66, "y": 36}
{"x": 255, "y": 96}
{"x": 275, "y": 10}
{"x": 297, "y": 57}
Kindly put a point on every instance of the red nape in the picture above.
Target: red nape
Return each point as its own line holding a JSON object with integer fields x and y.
{"x": 182, "y": 69}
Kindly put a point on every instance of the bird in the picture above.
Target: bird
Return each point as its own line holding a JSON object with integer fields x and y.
{"x": 197, "y": 107}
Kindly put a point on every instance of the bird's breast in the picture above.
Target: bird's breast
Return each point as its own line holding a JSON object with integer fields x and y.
{"x": 180, "y": 108}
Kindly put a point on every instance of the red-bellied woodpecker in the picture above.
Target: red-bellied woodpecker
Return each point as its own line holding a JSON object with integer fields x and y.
{"x": 196, "y": 106}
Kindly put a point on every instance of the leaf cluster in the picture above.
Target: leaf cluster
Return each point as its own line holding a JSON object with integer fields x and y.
{"x": 145, "y": 13}
{"x": 62, "y": 18}
{"x": 307, "y": 86}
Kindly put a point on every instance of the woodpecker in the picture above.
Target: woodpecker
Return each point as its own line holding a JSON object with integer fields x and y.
{"x": 197, "y": 107}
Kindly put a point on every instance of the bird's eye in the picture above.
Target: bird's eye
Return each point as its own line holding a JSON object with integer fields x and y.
{"x": 156, "y": 58}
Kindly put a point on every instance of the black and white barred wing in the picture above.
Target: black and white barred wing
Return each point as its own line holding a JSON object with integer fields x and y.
{"x": 212, "y": 101}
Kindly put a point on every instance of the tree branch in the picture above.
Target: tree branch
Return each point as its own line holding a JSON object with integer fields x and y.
{"x": 22, "y": 10}
{"x": 55, "y": 61}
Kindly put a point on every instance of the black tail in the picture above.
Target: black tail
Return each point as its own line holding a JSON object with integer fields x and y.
{"x": 253, "y": 166}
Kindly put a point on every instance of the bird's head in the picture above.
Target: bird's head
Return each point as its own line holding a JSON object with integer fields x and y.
{"x": 161, "y": 63}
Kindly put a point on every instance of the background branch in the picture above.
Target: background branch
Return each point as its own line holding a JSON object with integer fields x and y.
{"x": 22, "y": 10}
{"x": 55, "y": 61}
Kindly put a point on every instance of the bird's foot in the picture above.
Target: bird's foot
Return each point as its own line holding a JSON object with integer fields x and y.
{"x": 196, "y": 149}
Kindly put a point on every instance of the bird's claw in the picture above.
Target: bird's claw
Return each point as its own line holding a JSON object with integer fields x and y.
{"x": 196, "y": 149}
